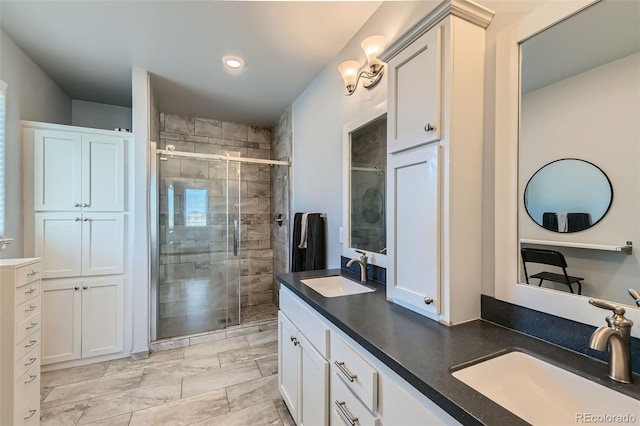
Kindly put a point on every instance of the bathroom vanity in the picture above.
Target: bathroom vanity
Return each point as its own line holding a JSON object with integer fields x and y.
{"x": 403, "y": 361}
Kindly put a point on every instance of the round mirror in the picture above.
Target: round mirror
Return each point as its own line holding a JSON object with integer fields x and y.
{"x": 568, "y": 195}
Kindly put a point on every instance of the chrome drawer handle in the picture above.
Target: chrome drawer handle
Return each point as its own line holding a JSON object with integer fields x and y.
{"x": 31, "y": 290}
{"x": 31, "y": 378}
{"x": 429, "y": 128}
{"x": 295, "y": 341}
{"x": 32, "y": 273}
{"x": 33, "y": 324}
{"x": 31, "y": 361}
{"x": 346, "y": 372}
{"x": 31, "y": 413}
{"x": 342, "y": 406}
{"x": 31, "y": 308}
{"x": 31, "y": 343}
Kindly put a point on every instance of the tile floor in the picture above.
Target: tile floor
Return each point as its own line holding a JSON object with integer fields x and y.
{"x": 230, "y": 381}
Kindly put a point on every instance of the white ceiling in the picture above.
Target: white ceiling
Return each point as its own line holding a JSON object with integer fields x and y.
{"x": 89, "y": 47}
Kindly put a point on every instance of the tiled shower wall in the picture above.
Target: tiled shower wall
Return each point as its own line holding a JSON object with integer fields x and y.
{"x": 281, "y": 141}
{"x": 195, "y": 255}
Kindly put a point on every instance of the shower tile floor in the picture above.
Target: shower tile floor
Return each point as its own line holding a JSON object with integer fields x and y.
{"x": 229, "y": 381}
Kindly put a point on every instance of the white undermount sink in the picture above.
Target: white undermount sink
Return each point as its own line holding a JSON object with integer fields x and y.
{"x": 336, "y": 286}
{"x": 543, "y": 394}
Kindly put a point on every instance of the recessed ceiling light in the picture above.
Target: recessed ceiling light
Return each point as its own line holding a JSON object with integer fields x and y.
{"x": 234, "y": 62}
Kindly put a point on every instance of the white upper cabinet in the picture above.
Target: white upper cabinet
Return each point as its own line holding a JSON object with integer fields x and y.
{"x": 78, "y": 171}
{"x": 415, "y": 94}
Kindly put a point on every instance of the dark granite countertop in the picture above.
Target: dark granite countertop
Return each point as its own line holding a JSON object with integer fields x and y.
{"x": 424, "y": 352}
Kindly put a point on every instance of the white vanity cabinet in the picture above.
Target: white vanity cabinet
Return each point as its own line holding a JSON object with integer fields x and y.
{"x": 434, "y": 138}
{"x": 20, "y": 334}
{"x": 82, "y": 317}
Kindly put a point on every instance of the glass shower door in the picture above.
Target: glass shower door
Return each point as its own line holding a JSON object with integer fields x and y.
{"x": 199, "y": 277}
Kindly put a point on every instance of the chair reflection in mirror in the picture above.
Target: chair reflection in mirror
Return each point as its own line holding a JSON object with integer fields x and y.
{"x": 553, "y": 258}
{"x": 566, "y": 222}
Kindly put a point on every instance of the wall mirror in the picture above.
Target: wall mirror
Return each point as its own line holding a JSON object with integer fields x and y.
{"x": 545, "y": 113}
{"x": 568, "y": 195}
{"x": 365, "y": 162}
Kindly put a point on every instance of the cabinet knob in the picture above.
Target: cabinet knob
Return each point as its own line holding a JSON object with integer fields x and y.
{"x": 429, "y": 128}
{"x": 76, "y": 288}
{"x": 84, "y": 287}
{"x": 295, "y": 341}
{"x": 428, "y": 300}
{"x": 78, "y": 219}
{"x": 76, "y": 205}
{"x": 85, "y": 219}
{"x": 85, "y": 204}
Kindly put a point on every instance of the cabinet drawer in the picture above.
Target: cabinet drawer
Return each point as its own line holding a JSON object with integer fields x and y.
{"x": 30, "y": 415}
{"x": 27, "y": 292}
{"x": 28, "y": 309}
{"x": 27, "y": 388}
{"x": 289, "y": 304}
{"x": 28, "y": 273}
{"x": 346, "y": 409}
{"x": 316, "y": 332}
{"x": 355, "y": 372}
{"x": 26, "y": 344}
{"x": 27, "y": 361}
{"x": 28, "y": 326}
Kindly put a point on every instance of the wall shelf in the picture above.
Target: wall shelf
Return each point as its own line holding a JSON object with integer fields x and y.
{"x": 627, "y": 248}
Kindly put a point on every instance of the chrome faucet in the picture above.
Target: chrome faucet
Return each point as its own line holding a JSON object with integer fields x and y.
{"x": 363, "y": 265}
{"x": 615, "y": 338}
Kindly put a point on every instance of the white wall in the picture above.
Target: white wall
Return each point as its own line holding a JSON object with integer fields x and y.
{"x": 31, "y": 95}
{"x": 100, "y": 116}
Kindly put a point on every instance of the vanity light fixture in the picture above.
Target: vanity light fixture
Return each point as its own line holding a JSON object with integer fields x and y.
{"x": 372, "y": 72}
{"x": 233, "y": 62}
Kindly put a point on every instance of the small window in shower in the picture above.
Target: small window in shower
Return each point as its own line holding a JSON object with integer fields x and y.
{"x": 195, "y": 207}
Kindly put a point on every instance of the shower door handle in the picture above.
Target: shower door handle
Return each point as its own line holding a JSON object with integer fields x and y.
{"x": 235, "y": 237}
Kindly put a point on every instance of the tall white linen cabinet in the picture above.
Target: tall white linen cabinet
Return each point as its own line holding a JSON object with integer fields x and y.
{"x": 434, "y": 162}
{"x": 78, "y": 180}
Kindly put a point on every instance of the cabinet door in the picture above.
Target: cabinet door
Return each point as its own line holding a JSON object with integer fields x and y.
{"x": 288, "y": 365}
{"x": 414, "y": 206}
{"x": 57, "y": 170}
{"x": 102, "y": 316}
{"x": 314, "y": 395}
{"x": 58, "y": 240}
{"x": 102, "y": 173}
{"x": 102, "y": 243}
{"x": 61, "y": 320}
{"x": 415, "y": 93}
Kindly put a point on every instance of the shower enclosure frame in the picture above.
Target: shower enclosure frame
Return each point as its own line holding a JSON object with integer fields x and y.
{"x": 154, "y": 210}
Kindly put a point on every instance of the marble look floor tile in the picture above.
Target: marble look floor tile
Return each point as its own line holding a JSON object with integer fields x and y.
{"x": 209, "y": 337}
{"x": 283, "y": 412}
{"x": 184, "y": 411}
{"x": 44, "y": 392}
{"x": 248, "y": 394}
{"x": 92, "y": 388}
{"x": 63, "y": 415}
{"x": 250, "y": 353}
{"x": 206, "y": 350}
{"x": 262, "y": 337}
{"x": 268, "y": 365}
{"x": 262, "y": 414}
{"x": 121, "y": 420}
{"x": 271, "y": 325}
{"x": 218, "y": 379}
{"x": 132, "y": 400}
{"x": 124, "y": 365}
{"x": 74, "y": 374}
{"x": 177, "y": 370}
{"x": 242, "y": 331}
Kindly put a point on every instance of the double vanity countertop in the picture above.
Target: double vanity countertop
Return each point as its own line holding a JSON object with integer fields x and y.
{"x": 424, "y": 352}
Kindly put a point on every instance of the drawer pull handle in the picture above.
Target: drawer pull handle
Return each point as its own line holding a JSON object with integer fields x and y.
{"x": 33, "y": 324}
{"x": 429, "y": 128}
{"x": 295, "y": 341}
{"x": 346, "y": 372}
{"x": 31, "y": 308}
{"x": 342, "y": 406}
{"x": 31, "y": 378}
{"x": 31, "y": 290}
{"x": 31, "y": 413}
{"x": 32, "y": 273}
{"x": 31, "y": 343}
{"x": 31, "y": 361}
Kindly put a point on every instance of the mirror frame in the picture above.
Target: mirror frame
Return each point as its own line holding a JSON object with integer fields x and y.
{"x": 507, "y": 121}
{"x": 351, "y": 126}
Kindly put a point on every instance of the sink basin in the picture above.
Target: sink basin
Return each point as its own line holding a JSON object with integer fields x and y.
{"x": 543, "y": 394}
{"x": 336, "y": 286}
